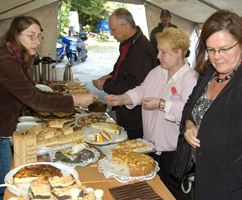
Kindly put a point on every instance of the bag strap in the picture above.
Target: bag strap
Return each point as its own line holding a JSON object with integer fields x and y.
{"x": 190, "y": 180}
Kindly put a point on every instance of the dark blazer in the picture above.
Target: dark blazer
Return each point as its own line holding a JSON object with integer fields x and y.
{"x": 218, "y": 173}
{"x": 17, "y": 89}
{"x": 132, "y": 71}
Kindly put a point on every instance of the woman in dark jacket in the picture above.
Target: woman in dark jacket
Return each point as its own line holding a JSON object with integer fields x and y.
{"x": 213, "y": 114}
{"x": 18, "y": 47}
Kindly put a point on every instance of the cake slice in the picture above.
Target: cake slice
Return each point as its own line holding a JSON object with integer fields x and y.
{"x": 105, "y": 135}
{"x": 39, "y": 189}
{"x": 37, "y": 129}
{"x": 60, "y": 182}
{"x": 110, "y": 128}
{"x": 67, "y": 130}
{"x": 48, "y": 133}
{"x": 64, "y": 139}
{"x": 78, "y": 136}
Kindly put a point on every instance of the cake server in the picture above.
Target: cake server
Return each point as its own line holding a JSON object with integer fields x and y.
{"x": 9, "y": 185}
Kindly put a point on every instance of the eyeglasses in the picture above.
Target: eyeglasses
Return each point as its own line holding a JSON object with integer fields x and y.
{"x": 222, "y": 51}
{"x": 113, "y": 30}
{"x": 33, "y": 37}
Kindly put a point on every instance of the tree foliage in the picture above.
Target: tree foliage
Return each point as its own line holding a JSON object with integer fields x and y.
{"x": 63, "y": 17}
{"x": 90, "y": 12}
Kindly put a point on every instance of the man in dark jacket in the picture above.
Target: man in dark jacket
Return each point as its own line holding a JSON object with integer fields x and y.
{"x": 165, "y": 18}
{"x": 136, "y": 59}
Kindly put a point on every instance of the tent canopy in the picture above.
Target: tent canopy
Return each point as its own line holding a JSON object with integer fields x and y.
{"x": 186, "y": 14}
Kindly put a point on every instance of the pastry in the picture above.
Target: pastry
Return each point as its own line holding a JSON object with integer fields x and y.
{"x": 110, "y": 128}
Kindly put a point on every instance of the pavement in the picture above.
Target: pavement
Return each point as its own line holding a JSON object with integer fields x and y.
{"x": 99, "y": 62}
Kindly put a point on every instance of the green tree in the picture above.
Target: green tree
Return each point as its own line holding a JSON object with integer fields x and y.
{"x": 63, "y": 18}
{"x": 91, "y": 11}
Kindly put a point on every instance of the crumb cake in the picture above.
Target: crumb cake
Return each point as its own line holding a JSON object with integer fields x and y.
{"x": 139, "y": 164}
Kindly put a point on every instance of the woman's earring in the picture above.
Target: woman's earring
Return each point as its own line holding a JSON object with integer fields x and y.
{"x": 178, "y": 61}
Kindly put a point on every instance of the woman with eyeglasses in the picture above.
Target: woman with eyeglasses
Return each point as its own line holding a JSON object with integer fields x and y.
{"x": 17, "y": 49}
{"x": 212, "y": 116}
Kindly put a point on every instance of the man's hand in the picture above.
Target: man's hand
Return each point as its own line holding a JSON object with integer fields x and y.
{"x": 98, "y": 83}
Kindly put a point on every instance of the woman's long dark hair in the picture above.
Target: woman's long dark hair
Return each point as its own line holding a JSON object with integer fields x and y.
{"x": 220, "y": 20}
{"x": 18, "y": 25}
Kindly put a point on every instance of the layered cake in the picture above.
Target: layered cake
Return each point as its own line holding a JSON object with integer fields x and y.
{"x": 57, "y": 188}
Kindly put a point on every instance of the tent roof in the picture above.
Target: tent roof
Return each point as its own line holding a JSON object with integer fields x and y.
{"x": 193, "y": 10}
{"x": 12, "y": 8}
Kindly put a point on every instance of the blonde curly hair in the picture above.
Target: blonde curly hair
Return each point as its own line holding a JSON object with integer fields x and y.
{"x": 173, "y": 39}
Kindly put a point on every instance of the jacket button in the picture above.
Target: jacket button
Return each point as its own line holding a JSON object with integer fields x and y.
{"x": 200, "y": 153}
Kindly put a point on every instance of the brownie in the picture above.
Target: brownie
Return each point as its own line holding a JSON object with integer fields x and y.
{"x": 136, "y": 191}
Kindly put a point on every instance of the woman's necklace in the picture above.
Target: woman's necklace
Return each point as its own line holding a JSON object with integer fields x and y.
{"x": 223, "y": 79}
{"x": 226, "y": 77}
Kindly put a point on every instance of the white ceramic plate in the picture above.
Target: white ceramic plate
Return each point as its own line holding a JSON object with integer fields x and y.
{"x": 105, "y": 149}
{"x": 93, "y": 133}
{"x": 26, "y": 125}
{"x": 115, "y": 138}
{"x": 27, "y": 119}
{"x": 77, "y": 83}
{"x": 121, "y": 173}
{"x": 44, "y": 87}
{"x": 24, "y": 187}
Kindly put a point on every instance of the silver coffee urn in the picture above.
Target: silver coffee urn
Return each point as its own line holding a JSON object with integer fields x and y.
{"x": 35, "y": 71}
{"x": 68, "y": 74}
{"x": 48, "y": 69}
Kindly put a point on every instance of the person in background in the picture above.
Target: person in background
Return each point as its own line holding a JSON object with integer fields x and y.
{"x": 161, "y": 114}
{"x": 134, "y": 63}
{"x": 165, "y": 18}
{"x": 18, "y": 47}
{"x": 213, "y": 114}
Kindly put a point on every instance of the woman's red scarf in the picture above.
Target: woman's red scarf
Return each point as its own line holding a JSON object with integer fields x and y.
{"x": 15, "y": 49}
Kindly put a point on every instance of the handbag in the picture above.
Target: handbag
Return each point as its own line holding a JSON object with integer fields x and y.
{"x": 179, "y": 157}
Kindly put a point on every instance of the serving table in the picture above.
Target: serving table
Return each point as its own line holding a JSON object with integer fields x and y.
{"x": 91, "y": 177}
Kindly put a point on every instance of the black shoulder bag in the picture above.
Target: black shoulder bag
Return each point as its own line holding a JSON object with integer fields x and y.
{"x": 179, "y": 157}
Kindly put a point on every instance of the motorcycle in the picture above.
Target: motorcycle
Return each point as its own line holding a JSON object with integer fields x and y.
{"x": 76, "y": 48}
{"x": 60, "y": 50}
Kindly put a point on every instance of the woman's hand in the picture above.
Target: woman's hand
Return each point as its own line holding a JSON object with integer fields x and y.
{"x": 84, "y": 99}
{"x": 113, "y": 100}
{"x": 191, "y": 134}
{"x": 150, "y": 103}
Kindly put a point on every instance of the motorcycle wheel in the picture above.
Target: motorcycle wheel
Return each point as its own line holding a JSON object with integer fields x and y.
{"x": 84, "y": 59}
{"x": 72, "y": 61}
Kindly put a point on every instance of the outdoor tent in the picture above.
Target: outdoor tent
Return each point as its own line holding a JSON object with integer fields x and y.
{"x": 186, "y": 14}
